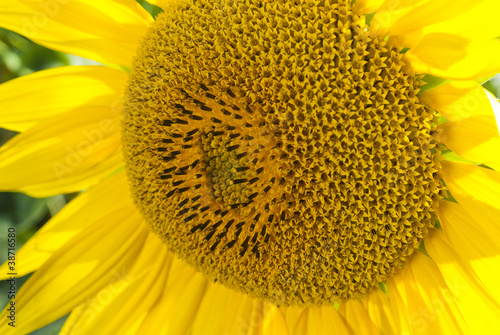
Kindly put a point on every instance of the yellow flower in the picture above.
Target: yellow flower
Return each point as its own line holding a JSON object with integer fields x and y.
{"x": 324, "y": 167}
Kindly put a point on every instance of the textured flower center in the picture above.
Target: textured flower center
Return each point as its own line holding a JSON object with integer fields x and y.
{"x": 279, "y": 148}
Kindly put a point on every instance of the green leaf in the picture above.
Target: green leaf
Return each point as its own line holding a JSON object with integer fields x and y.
{"x": 383, "y": 287}
{"x": 152, "y": 9}
{"x": 493, "y": 85}
{"x": 432, "y": 82}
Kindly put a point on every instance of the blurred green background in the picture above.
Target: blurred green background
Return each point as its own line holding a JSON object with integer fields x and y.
{"x": 18, "y": 57}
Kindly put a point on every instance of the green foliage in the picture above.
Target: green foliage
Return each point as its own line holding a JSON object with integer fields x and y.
{"x": 493, "y": 85}
{"x": 20, "y": 56}
{"x": 431, "y": 82}
{"x": 152, "y": 9}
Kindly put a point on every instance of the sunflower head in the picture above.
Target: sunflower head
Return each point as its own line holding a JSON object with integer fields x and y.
{"x": 279, "y": 148}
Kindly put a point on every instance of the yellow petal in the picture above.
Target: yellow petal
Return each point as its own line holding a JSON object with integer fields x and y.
{"x": 458, "y": 100}
{"x": 292, "y": 316}
{"x": 161, "y": 3}
{"x": 35, "y": 97}
{"x": 277, "y": 324}
{"x": 358, "y": 318}
{"x": 396, "y": 292}
{"x": 431, "y": 305}
{"x": 103, "y": 30}
{"x": 475, "y": 242}
{"x": 108, "y": 196}
{"x": 63, "y": 154}
{"x": 479, "y": 310}
{"x": 411, "y": 21}
{"x": 321, "y": 321}
{"x": 454, "y": 57}
{"x": 78, "y": 270}
{"x": 224, "y": 311}
{"x": 85, "y": 314}
{"x": 475, "y": 139}
{"x": 180, "y": 299}
{"x": 475, "y": 188}
{"x": 135, "y": 300}
{"x": 472, "y": 128}
{"x": 381, "y": 313}
{"x": 367, "y": 6}
{"x": 82, "y": 311}
{"x": 395, "y": 17}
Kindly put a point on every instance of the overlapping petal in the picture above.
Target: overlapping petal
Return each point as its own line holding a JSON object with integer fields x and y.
{"x": 382, "y": 314}
{"x": 411, "y": 20}
{"x": 472, "y": 127}
{"x": 63, "y": 154}
{"x": 321, "y": 321}
{"x": 432, "y": 307}
{"x": 182, "y": 295}
{"x": 162, "y": 3}
{"x": 84, "y": 265}
{"x": 475, "y": 242}
{"x": 475, "y": 188}
{"x": 455, "y": 57}
{"x": 139, "y": 290}
{"x": 480, "y": 311}
{"x": 223, "y": 310}
{"x": 396, "y": 292}
{"x": 27, "y": 100}
{"x": 367, "y": 6}
{"x": 89, "y": 207}
{"x": 357, "y": 318}
{"x": 103, "y": 30}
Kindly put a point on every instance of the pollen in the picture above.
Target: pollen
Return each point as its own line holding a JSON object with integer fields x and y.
{"x": 279, "y": 148}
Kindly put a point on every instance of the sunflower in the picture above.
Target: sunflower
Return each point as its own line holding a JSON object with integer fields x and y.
{"x": 259, "y": 167}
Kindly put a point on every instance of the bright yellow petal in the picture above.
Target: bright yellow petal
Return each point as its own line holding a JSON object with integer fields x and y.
{"x": 411, "y": 21}
{"x": 431, "y": 305}
{"x": 367, "y": 6}
{"x": 382, "y": 314}
{"x": 63, "y": 154}
{"x": 474, "y": 241}
{"x": 292, "y": 316}
{"x": 277, "y": 324}
{"x": 180, "y": 300}
{"x": 162, "y": 3}
{"x": 396, "y": 17}
{"x": 472, "y": 128}
{"x": 479, "y": 310}
{"x": 454, "y": 57}
{"x": 321, "y": 321}
{"x": 458, "y": 100}
{"x": 90, "y": 206}
{"x": 224, "y": 311}
{"x": 104, "y": 30}
{"x": 78, "y": 270}
{"x": 85, "y": 314}
{"x": 475, "y": 188}
{"x": 358, "y": 319}
{"x": 396, "y": 292}
{"x": 475, "y": 139}
{"x": 38, "y": 96}
{"x": 398, "y": 312}
{"x": 135, "y": 300}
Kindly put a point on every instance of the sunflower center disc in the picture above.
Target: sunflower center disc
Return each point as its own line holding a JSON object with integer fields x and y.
{"x": 279, "y": 148}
